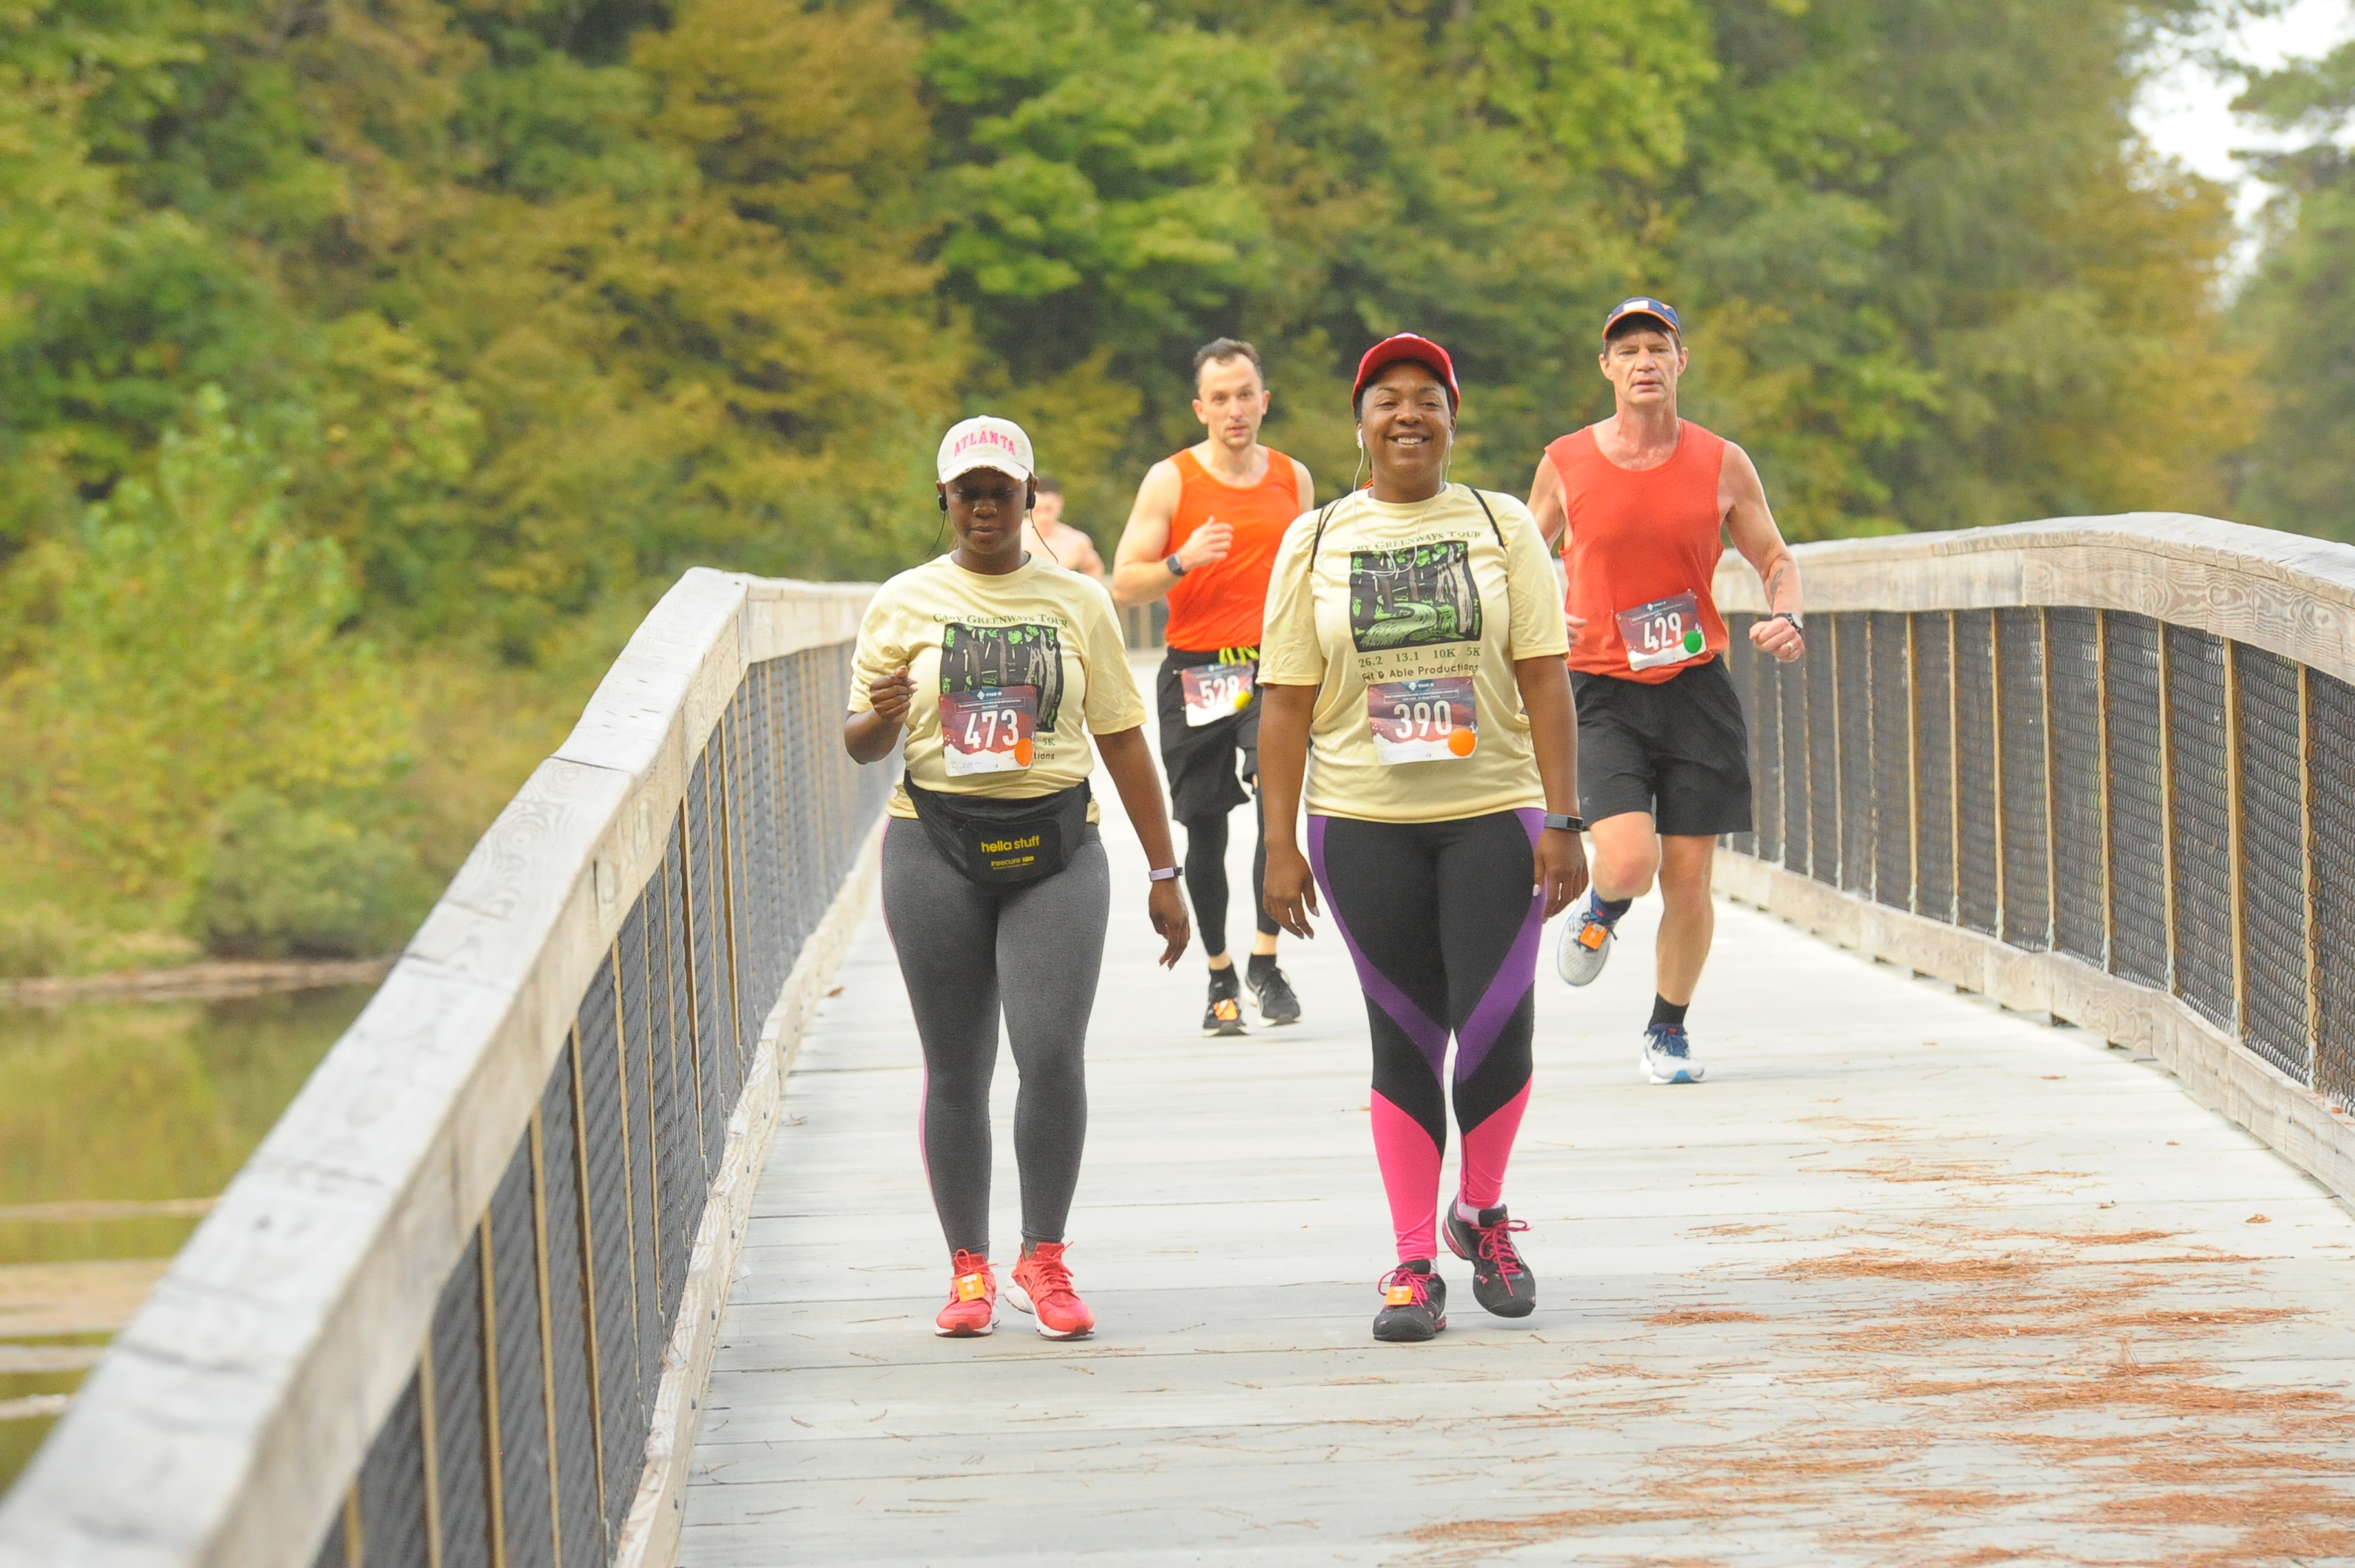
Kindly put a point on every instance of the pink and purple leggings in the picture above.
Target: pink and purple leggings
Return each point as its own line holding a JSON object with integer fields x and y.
{"x": 1444, "y": 923}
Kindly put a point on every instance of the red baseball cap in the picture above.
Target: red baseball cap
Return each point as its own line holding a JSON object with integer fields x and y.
{"x": 1407, "y": 346}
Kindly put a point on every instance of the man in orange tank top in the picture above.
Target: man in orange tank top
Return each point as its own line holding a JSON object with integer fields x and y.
{"x": 1204, "y": 533}
{"x": 1642, "y": 503}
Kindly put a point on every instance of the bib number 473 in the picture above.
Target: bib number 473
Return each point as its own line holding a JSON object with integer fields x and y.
{"x": 991, "y": 731}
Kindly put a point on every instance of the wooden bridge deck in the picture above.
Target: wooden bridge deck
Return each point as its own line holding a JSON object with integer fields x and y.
{"x": 1910, "y": 1280}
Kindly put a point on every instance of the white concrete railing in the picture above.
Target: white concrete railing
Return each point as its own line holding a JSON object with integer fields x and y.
{"x": 227, "y": 1422}
{"x": 2124, "y": 752}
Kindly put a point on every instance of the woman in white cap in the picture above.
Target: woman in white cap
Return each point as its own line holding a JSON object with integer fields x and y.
{"x": 988, "y": 669}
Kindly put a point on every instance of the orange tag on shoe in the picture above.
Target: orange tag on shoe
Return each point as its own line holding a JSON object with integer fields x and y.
{"x": 1593, "y": 937}
{"x": 1399, "y": 1296}
{"x": 972, "y": 1287}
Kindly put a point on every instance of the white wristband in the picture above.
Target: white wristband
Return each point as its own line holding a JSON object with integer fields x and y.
{"x": 1161, "y": 874}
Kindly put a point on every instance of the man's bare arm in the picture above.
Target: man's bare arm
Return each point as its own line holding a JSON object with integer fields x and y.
{"x": 1750, "y": 525}
{"x": 1547, "y": 504}
{"x": 1137, "y": 575}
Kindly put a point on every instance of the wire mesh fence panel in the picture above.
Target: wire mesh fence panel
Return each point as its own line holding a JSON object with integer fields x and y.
{"x": 394, "y": 1526}
{"x": 2072, "y": 676}
{"x": 681, "y": 1175}
{"x": 2200, "y": 802}
{"x": 2274, "y": 1022}
{"x": 2330, "y": 806}
{"x": 2138, "y": 799}
{"x": 1741, "y": 667}
{"x": 564, "y": 1269}
{"x": 527, "y": 1524}
{"x": 707, "y": 985}
{"x": 613, "y": 1058}
{"x": 462, "y": 1416}
{"x": 1762, "y": 702}
{"x": 1892, "y": 762}
{"x": 1859, "y": 786}
{"x": 1934, "y": 765}
{"x": 1822, "y": 675}
{"x": 740, "y": 927}
{"x": 2020, "y": 708}
{"x": 1791, "y": 693}
{"x": 1979, "y": 870}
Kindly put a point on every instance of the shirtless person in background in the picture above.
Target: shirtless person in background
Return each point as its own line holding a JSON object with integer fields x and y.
{"x": 1066, "y": 546}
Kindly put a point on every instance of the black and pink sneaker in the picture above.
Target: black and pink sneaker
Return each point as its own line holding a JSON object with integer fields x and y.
{"x": 1415, "y": 1304}
{"x": 1501, "y": 1282}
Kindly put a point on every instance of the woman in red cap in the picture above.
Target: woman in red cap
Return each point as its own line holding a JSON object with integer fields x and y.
{"x": 1416, "y": 641}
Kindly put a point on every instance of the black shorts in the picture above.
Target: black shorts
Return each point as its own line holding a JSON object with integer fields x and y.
{"x": 1678, "y": 750}
{"x": 1201, "y": 762}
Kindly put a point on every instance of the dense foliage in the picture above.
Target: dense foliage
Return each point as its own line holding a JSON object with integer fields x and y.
{"x": 477, "y": 321}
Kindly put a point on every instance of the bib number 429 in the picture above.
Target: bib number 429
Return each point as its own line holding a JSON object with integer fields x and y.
{"x": 1665, "y": 632}
{"x": 990, "y": 731}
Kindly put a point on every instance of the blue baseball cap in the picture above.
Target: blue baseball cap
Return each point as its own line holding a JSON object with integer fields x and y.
{"x": 1658, "y": 310}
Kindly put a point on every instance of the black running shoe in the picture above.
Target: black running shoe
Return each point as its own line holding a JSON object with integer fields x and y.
{"x": 1501, "y": 1282}
{"x": 1415, "y": 1304}
{"x": 1225, "y": 1013}
{"x": 1274, "y": 993}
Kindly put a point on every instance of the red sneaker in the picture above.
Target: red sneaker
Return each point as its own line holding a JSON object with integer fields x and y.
{"x": 1041, "y": 1284}
{"x": 971, "y": 1310}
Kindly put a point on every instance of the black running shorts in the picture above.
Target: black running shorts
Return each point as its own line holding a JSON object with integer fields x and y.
{"x": 1201, "y": 762}
{"x": 1678, "y": 750}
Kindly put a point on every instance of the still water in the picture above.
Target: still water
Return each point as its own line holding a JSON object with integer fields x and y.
{"x": 107, "y": 1112}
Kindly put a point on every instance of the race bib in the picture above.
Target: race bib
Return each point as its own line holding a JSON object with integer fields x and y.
{"x": 1665, "y": 632}
{"x": 1216, "y": 691}
{"x": 1422, "y": 721}
{"x": 988, "y": 730}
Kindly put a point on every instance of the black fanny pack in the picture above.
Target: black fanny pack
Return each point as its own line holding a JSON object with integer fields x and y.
{"x": 997, "y": 843}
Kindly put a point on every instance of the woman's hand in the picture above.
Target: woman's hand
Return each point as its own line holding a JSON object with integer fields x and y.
{"x": 1561, "y": 867}
{"x": 871, "y": 736}
{"x": 1290, "y": 890}
{"x": 890, "y": 695}
{"x": 1166, "y": 907}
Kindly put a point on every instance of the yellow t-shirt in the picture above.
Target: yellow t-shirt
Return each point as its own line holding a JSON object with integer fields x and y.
{"x": 1408, "y": 624}
{"x": 1024, "y": 664}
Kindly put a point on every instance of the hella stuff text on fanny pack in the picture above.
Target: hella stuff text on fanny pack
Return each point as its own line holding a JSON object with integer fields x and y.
{"x": 1001, "y": 843}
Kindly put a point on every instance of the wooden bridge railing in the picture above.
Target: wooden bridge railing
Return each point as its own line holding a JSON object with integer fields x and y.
{"x": 2102, "y": 767}
{"x": 457, "y": 1310}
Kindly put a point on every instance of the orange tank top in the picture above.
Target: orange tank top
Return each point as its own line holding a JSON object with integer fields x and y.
{"x": 1636, "y": 538}
{"x": 1224, "y": 605}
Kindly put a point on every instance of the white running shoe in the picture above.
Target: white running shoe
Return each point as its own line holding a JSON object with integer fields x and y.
{"x": 1668, "y": 1058}
{"x": 1582, "y": 948}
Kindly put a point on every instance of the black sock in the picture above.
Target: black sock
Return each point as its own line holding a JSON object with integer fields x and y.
{"x": 1261, "y": 966}
{"x": 1612, "y": 909}
{"x": 1665, "y": 1011}
{"x": 1226, "y": 982}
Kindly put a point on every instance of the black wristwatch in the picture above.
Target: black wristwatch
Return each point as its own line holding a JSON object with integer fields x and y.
{"x": 1177, "y": 568}
{"x": 1566, "y": 824}
{"x": 1793, "y": 617}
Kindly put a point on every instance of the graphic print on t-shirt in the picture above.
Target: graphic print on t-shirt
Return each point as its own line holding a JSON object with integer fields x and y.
{"x": 1413, "y": 597}
{"x": 986, "y": 658}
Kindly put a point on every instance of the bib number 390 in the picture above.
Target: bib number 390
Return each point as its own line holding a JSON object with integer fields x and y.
{"x": 1422, "y": 721}
{"x": 1665, "y": 632}
{"x": 989, "y": 731}
{"x": 1216, "y": 691}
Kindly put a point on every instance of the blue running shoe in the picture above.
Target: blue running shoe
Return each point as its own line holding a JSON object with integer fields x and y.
{"x": 1668, "y": 1058}
{"x": 1583, "y": 946}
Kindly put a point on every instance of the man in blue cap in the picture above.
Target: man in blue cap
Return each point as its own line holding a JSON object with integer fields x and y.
{"x": 1639, "y": 503}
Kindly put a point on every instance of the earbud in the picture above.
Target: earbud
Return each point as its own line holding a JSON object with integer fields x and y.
{"x": 944, "y": 503}
{"x": 1361, "y": 441}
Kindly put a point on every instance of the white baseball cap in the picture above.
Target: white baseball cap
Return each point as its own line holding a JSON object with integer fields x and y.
{"x": 984, "y": 442}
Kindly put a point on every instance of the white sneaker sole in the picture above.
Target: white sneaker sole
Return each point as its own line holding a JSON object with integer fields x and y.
{"x": 1021, "y": 1300}
{"x": 1681, "y": 1075}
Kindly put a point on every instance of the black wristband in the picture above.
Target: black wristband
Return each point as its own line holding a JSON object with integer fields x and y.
{"x": 1566, "y": 824}
{"x": 1175, "y": 567}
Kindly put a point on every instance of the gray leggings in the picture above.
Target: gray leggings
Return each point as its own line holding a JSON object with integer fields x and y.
{"x": 965, "y": 950}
